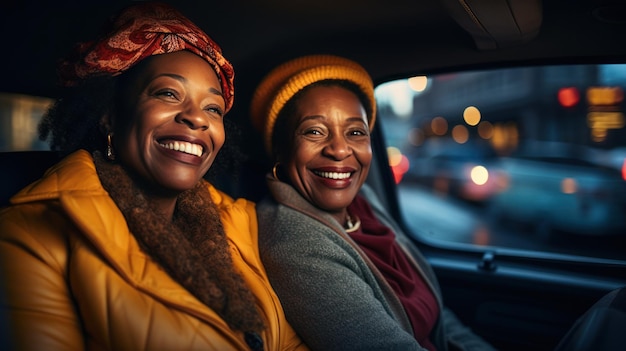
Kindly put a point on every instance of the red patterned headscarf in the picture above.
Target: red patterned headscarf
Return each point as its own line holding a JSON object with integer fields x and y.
{"x": 138, "y": 32}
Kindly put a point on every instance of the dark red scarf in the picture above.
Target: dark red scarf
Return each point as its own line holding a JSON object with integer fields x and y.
{"x": 379, "y": 243}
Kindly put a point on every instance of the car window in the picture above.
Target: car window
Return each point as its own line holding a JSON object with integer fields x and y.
{"x": 528, "y": 158}
{"x": 19, "y": 116}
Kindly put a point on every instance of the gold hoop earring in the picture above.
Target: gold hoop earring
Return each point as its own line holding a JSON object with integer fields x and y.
{"x": 110, "y": 153}
{"x": 275, "y": 170}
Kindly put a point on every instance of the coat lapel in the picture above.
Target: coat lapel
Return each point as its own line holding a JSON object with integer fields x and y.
{"x": 75, "y": 184}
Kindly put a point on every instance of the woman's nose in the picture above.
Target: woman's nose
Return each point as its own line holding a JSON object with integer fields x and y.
{"x": 194, "y": 117}
{"x": 338, "y": 148}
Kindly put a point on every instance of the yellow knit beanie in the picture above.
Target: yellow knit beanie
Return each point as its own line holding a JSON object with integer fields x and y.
{"x": 283, "y": 82}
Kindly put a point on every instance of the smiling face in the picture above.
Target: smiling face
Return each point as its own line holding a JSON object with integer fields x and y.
{"x": 170, "y": 127}
{"x": 331, "y": 150}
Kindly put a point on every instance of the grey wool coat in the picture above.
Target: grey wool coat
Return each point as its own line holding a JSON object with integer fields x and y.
{"x": 332, "y": 294}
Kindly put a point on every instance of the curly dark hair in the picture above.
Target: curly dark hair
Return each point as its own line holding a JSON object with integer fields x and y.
{"x": 73, "y": 121}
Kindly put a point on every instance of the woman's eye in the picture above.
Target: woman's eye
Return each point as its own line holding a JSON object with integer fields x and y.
{"x": 167, "y": 94}
{"x": 215, "y": 109}
{"x": 357, "y": 132}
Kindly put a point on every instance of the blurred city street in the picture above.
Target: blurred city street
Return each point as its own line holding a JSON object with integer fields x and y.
{"x": 439, "y": 217}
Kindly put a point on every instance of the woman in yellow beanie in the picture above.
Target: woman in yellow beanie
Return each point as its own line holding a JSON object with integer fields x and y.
{"x": 348, "y": 278}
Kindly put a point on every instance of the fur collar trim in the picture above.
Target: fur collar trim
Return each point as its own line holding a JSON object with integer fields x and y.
{"x": 192, "y": 248}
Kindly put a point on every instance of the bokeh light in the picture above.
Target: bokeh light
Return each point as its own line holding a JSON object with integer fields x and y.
{"x": 460, "y": 134}
{"x": 569, "y": 186}
{"x": 479, "y": 175}
{"x": 418, "y": 83}
{"x": 398, "y": 162}
{"x": 439, "y": 126}
{"x": 568, "y": 97}
{"x": 471, "y": 115}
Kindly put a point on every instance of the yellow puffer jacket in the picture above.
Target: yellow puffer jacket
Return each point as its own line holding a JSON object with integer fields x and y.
{"x": 72, "y": 276}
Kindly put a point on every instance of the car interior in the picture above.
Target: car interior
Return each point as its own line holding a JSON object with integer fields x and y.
{"x": 517, "y": 297}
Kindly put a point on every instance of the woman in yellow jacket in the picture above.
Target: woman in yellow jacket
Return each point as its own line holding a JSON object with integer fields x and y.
{"x": 123, "y": 245}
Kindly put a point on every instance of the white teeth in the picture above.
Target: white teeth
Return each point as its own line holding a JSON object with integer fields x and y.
{"x": 333, "y": 175}
{"x": 183, "y": 146}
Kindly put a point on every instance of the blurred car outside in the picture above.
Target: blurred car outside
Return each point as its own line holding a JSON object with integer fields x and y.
{"x": 562, "y": 187}
{"x": 466, "y": 171}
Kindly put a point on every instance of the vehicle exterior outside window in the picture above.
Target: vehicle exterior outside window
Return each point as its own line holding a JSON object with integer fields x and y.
{"x": 468, "y": 171}
{"x": 549, "y": 142}
{"x": 562, "y": 187}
